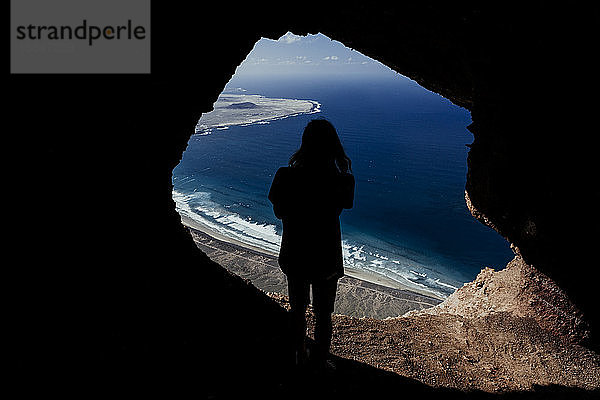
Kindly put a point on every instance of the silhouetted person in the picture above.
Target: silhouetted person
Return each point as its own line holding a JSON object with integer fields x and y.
{"x": 308, "y": 196}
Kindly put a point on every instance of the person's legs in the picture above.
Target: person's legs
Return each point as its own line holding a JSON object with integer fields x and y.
{"x": 298, "y": 291}
{"x": 323, "y": 303}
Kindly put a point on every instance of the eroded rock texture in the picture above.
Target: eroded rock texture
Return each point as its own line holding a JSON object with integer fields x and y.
{"x": 521, "y": 291}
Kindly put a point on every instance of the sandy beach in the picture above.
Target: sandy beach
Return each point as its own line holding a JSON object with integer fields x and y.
{"x": 360, "y": 293}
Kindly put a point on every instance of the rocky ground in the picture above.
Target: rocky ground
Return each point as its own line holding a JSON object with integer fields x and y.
{"x": 510, "y": 331}
{"x": 477, "y": 339}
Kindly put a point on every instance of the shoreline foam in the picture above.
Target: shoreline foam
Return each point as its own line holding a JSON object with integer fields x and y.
{"x": 367, "y": 264}
{"x": 360, "y": 274}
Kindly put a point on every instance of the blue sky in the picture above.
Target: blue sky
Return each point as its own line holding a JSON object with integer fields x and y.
{"x": 311, "y": 54}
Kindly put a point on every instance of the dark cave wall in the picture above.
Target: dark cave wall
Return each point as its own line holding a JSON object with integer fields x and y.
{"x": 129, "y": 291}
{"x": 523, "y": 71}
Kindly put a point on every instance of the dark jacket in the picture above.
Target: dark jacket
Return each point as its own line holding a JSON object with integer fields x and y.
{"x": 309, "y": 203}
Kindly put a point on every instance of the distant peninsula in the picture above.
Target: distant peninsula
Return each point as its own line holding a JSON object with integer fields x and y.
{"x": 246, "y": 109}
{"x": 243, "y": 105}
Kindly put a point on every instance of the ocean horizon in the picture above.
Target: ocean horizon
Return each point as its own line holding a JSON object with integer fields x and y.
{"x": 408, "y": 149}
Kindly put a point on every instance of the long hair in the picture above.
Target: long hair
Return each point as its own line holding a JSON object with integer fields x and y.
{"x": 321, "y": 146}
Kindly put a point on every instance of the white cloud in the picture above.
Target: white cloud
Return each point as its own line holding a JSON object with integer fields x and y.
{"x": 289, "y": 38}
{"x": 331, "y": 58}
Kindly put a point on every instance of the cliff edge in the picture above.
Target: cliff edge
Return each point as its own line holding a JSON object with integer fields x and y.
{"x": 521, "y": 291}
{"x": 507, "y": 331}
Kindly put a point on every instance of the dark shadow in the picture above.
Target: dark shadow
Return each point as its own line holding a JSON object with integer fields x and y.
{"x": 257, "y": 363}
{"x": 129, "y": 301}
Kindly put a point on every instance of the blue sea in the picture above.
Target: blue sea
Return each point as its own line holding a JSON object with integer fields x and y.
{"x": 408, "y": 150}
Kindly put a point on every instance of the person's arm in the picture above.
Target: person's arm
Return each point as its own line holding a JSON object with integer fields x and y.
{"x": 276, "y": 194}
{"x": 347, "y": 191}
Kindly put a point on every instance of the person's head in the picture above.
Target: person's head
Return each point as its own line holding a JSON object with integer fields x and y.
{"x": 321, "y": 147}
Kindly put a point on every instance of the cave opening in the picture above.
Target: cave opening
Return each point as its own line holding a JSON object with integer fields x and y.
{"x": 410, "y": 229}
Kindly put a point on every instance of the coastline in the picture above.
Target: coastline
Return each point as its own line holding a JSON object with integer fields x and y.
{"x": 360, "y": 293}
{"x": 198, "y": 226}
{"x": 269, "y": 109}
{"x": 446, "y": 347}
